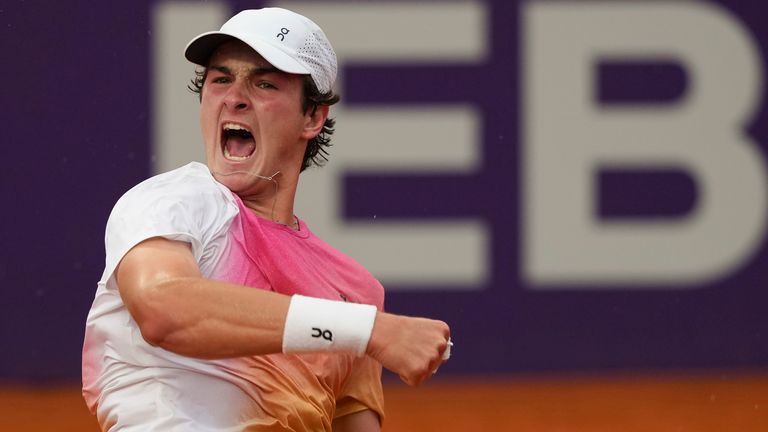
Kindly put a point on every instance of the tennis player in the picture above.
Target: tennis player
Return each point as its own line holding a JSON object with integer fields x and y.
{"x": 219, "y": 309}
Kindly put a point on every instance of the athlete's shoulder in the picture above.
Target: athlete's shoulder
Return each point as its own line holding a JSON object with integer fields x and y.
{"x": 193, "y": 178}
{"x": 185, "y": 204}
{"x": 189, "y": 182}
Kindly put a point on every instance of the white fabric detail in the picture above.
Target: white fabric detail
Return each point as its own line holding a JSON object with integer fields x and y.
{"x": 315, "y": 324}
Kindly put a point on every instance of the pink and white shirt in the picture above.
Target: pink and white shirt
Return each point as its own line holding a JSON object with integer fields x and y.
{"x": 133, "y": 386}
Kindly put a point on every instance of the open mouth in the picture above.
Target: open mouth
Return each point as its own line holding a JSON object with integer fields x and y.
{"x": 237, "y": 142}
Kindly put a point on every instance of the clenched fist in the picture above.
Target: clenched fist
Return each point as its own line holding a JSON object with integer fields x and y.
{"x": 411, "y": 347}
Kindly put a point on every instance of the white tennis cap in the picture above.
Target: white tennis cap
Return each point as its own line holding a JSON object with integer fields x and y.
{"x": 287, "y": 40}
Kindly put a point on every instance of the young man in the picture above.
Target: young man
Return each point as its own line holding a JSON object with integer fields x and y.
{"x": 218, "y": 308}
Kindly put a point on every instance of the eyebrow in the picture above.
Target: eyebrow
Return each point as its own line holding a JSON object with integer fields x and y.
{"x": 263, "y": 70}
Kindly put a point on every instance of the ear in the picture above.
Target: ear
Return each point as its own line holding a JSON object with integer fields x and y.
{"x": 313, "y": 122}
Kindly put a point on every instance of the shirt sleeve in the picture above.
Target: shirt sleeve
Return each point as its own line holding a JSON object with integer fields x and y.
{"x": 184, "y": 205}
{"x": 363, "y": 390}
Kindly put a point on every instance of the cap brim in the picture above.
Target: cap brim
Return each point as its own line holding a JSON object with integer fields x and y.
{"x": 200, "y": 49}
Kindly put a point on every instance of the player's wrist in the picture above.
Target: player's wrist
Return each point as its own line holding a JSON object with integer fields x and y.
{"x": 314, "y": 324}
{"x": 378, "y": 333}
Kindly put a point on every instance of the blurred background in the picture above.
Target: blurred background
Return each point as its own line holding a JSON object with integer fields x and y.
{"x": 577, "y": 187}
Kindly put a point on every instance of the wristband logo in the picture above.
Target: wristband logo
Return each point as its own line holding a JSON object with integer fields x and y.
{"x": 325, "y": 334}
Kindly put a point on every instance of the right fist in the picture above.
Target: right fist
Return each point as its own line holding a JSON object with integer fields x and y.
{"x": 411, "y": 347}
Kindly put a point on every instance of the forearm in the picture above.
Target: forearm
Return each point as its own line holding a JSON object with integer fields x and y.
{"x": 203, "y": 318}
{"x": 179, "y": 310}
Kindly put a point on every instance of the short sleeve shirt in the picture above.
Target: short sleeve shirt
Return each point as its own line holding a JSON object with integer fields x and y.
{"x": 131, "y": 385}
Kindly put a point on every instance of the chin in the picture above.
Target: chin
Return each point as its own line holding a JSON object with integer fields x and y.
{"x": 240, "y": 178}
{"x": 236, "y": 182}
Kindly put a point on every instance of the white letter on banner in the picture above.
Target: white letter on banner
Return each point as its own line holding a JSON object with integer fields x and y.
{"x": 418, "y": 254}
{"x": 567, "y": 138}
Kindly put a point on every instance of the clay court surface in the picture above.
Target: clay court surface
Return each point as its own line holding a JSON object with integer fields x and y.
{"x": 712, "y": 402}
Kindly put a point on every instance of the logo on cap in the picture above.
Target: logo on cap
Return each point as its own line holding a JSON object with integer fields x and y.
{"x": 283, "y": 31}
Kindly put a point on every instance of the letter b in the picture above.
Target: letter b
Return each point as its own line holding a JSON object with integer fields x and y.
{"x": 567, "y": 138}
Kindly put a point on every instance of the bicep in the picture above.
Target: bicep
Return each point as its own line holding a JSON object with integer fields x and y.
{"x": 361, "y": 421}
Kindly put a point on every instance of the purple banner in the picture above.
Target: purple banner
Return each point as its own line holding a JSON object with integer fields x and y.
{"x": 622, "y": 223}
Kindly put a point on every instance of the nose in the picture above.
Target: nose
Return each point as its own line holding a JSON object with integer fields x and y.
{"x": 237, "y": 96}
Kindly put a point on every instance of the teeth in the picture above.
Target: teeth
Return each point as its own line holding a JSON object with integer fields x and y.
{"x": 234, "y": 126}
{"x": 234, "y": 158}
{"x": 234, "y": 129}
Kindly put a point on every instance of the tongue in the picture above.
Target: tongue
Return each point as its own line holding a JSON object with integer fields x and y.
{"x": 239, "y": 146}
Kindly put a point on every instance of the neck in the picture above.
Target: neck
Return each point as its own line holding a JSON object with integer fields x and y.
{"x": 276, "y": 202}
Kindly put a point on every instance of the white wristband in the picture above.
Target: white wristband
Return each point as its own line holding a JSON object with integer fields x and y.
{"x": 315, "y": 324}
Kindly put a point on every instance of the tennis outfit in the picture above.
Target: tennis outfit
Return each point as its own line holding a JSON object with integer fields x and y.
{"x": 133, "y": 386}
